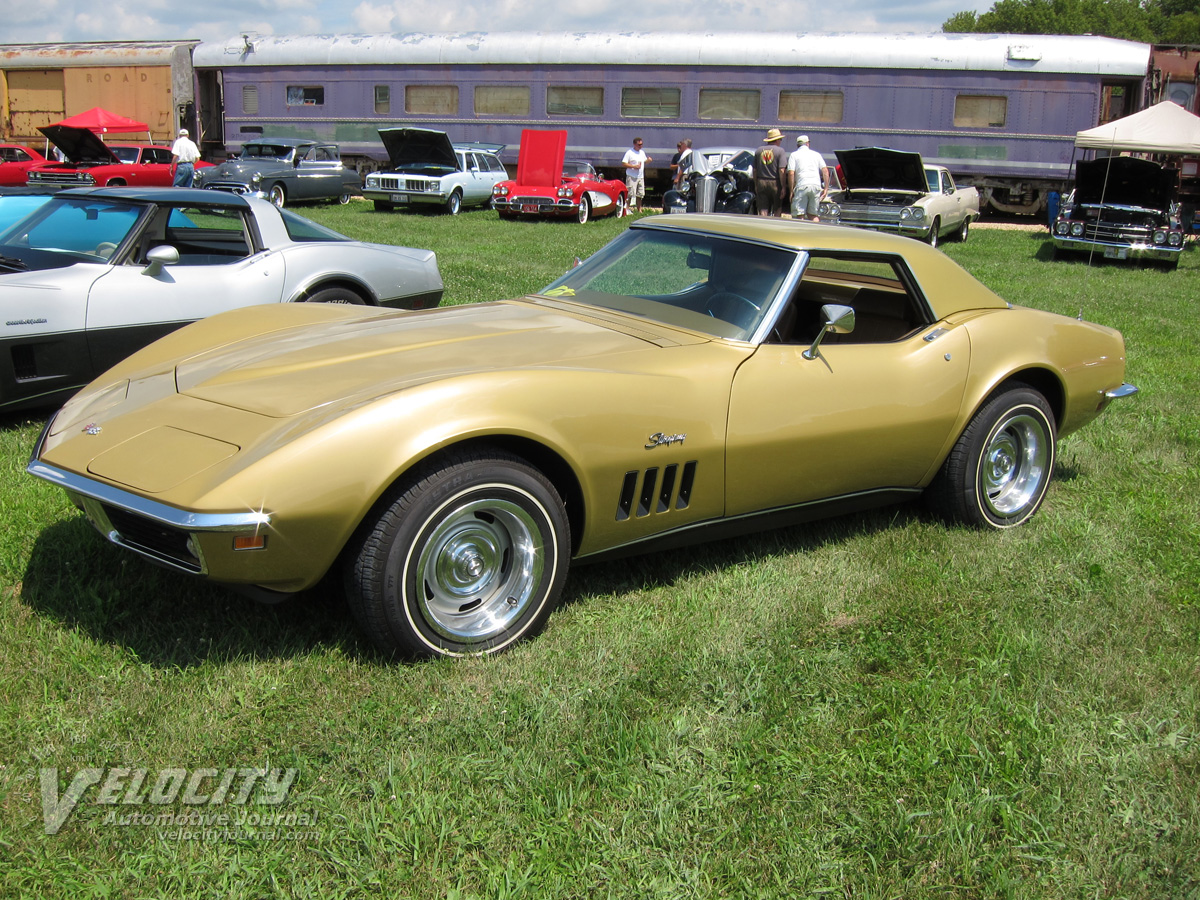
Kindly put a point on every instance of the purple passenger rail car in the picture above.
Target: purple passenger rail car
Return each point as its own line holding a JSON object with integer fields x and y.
{"x": 1000, "y": 111}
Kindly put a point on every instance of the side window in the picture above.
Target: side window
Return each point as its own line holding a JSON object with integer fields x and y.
{"x": 947, "y": 183}
{"x": 495, "y": 165}
{"x": 887, "y": 306}
{"x": 205, "y": 236}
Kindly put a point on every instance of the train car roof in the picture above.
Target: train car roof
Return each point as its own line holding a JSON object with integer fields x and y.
{"x": 1031, "y": 53}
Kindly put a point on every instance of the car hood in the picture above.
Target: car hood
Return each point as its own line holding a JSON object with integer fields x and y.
{"x": 79, "y": 144}
{"x": 1124, "y": 181}
{"x": 349, "y": 361}
{"x": 879, "y": 168}
{"x": 244, "y": 168}
{"x": 407, "y": 146}
{"x": 540, "y": 161}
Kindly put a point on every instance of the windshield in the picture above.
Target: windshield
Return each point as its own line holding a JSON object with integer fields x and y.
{"x": 719, "y": 286}
{"x": 88, "y": 227}
{"x": 266, "y": 151}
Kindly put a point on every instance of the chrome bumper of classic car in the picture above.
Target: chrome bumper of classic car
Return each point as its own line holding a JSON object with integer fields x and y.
{"x": 163, "y": 534}
{"x": 394, "y": 189}
{"x": 1119, "y": 250}
{"x": 231, "y": 187}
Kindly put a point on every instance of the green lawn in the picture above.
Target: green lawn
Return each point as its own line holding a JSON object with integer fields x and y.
{"x": 877, "y": 706}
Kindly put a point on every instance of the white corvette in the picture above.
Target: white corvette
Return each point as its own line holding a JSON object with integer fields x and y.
{"x": 95, "y": 274}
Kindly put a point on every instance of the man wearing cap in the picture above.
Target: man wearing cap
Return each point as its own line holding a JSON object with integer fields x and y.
{"x": 770, "y": 163}
{"x": 184, "y": 154}
{"x": 807, "y": 179}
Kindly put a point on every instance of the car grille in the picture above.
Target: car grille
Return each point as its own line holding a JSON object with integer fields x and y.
{"x": 151, "y": 538}
{"x": 233, "y": 187}
{"x": 408, "y": 185}
{"x": 531, "y": 201}
{"x": 72, "y": 178}
{"x": 1116, "y": 233}
{"x": 869, "y": 214}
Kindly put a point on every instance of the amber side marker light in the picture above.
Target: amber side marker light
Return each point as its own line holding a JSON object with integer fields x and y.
{"x": 250, "y": 542}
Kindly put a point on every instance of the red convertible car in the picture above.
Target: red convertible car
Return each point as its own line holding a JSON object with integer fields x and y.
{"x": 90, "y": 161}
{"x": 15, "y": 161}
{"x": 549, "y": 186}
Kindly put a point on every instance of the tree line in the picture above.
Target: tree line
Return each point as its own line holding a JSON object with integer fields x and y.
{"x": 1149, "y": 21}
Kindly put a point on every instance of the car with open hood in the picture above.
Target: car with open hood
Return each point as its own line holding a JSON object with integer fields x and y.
{"x": 893, "y": 190}
{"x": 15, "y": 163}
{"x": 90, "y": 162}
{"x": 285, "y": 170}
{"x": 91, "y": 275}
{"x": 548, "y": 185}
{"x": 700, "y": 376}
{"x": 1122, "y": 207}
{"x": 426, "y": 171}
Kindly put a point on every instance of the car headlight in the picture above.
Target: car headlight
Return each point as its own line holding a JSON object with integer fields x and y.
{"x": 256, "y": 178}
{"x": 372, "y": 181}
{"x": 1062, "y": 228}
{"x": 727, "y": 187}
{"x": 1175, "y": 239}
{"x": 913, "y": 214}
{"x": 500, "y": 190}
{"x": 830, "y": 210}
{"x": 1160, "y": 237}
{"x": 1076, "y": 229}
{"x": 564, "y": 192}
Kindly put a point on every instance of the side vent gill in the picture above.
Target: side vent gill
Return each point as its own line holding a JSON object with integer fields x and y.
{"x": 657, "y": 491}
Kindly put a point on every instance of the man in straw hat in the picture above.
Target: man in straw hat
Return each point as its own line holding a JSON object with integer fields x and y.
{"x": 770, "y": 166}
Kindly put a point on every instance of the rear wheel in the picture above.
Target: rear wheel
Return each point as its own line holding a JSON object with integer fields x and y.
{"x": 585, "y": 210}
{"x": 467, "y": 559}
{"x": 997, "y": 474}
{"x": 343, "y": 199}
{"x": 964, "y": 230}
{"x": 277, "y": 195}
{"x": 336, "y": 295}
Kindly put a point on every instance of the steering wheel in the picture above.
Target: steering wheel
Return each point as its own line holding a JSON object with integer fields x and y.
{"x": 725, "y": 305}
{"x": 104, "y": 249}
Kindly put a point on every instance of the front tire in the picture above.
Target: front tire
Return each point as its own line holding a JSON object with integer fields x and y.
{"x": 277, "y": 195}
{"x": 997, "y": 474}
{"x": 454, "y": 203}
{"x": 468, "y": 558}
{"x": 933, "y": 237}
{"x": 585, "y": 210}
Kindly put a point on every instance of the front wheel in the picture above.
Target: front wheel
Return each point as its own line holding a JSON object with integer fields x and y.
{"x": 585, "y": 210}
{"x": 933, "y": 236}
{"x": 277, "y": 195}
{"x": 467, "y": 559}
{"x": 997, "y": 474}
{"x": 623, "y": 206}
{"x": 454, "y": 203}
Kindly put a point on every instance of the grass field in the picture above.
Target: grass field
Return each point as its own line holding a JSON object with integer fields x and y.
{"x": 877, "y": 706}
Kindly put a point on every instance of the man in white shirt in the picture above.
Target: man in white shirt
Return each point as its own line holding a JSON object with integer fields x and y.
{"x": 808, "y": 180}
{"x": 184, "y": 154}
{"x": 634, "y": 162}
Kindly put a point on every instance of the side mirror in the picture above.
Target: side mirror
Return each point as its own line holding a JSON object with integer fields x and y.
{"x": 164, "y": 255}
{"x": 838, "y": 320}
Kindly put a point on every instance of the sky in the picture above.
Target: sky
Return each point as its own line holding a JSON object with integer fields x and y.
{"x": 53, "y": 21}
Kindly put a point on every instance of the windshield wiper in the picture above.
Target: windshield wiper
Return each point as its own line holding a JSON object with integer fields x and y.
{"x": 13, "y": 264}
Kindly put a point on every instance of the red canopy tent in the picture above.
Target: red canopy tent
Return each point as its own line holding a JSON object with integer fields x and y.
{"x": 102, "y": 121}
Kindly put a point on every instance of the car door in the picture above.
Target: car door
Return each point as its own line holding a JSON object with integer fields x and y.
{"x": 319, "y": 174}
{"x": 478, "y": 186}
{"x": 870, "y": 412}
{"x": 221, "y": 267}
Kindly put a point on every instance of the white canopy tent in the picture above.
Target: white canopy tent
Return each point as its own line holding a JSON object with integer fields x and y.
{"x": 1163, "y": 128}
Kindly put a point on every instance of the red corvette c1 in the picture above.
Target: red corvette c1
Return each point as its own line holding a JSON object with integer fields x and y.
{"x": 549, "y": 186}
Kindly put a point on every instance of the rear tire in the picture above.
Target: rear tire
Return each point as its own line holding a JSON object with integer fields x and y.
{"x": 964, "y": 230}
{"x": 998, "y": 471}
{"x": 467, "y": 558}
{"x": 336, "y": 295}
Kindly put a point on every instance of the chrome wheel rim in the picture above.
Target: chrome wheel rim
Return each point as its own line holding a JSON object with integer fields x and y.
{"x": 479, "y": 569}
{"x": 1013, "y": 468}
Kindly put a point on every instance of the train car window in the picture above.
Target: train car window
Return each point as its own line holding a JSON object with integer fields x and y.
{"x": 298, "y": 95}
{"x": 811, "y": 106}
{"x": 431, "y": 99}
{"x": 383, "y": 99}
{"x": 725, "y": 104}
{"x": 574, "y": 100}
{"x": 502, "y": 100}
{"x": 650, "y": 103}
{"x": 978, "y": 111}
{"x": 250, "y": 99}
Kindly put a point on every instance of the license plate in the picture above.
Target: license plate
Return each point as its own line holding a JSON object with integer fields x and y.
{"x": 1115, "y": 252}
{"x": 529, "y": 207}
{"x": 399, "y": 198}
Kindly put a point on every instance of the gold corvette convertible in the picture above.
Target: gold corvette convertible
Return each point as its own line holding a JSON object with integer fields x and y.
{"x": 699, "y": 376}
